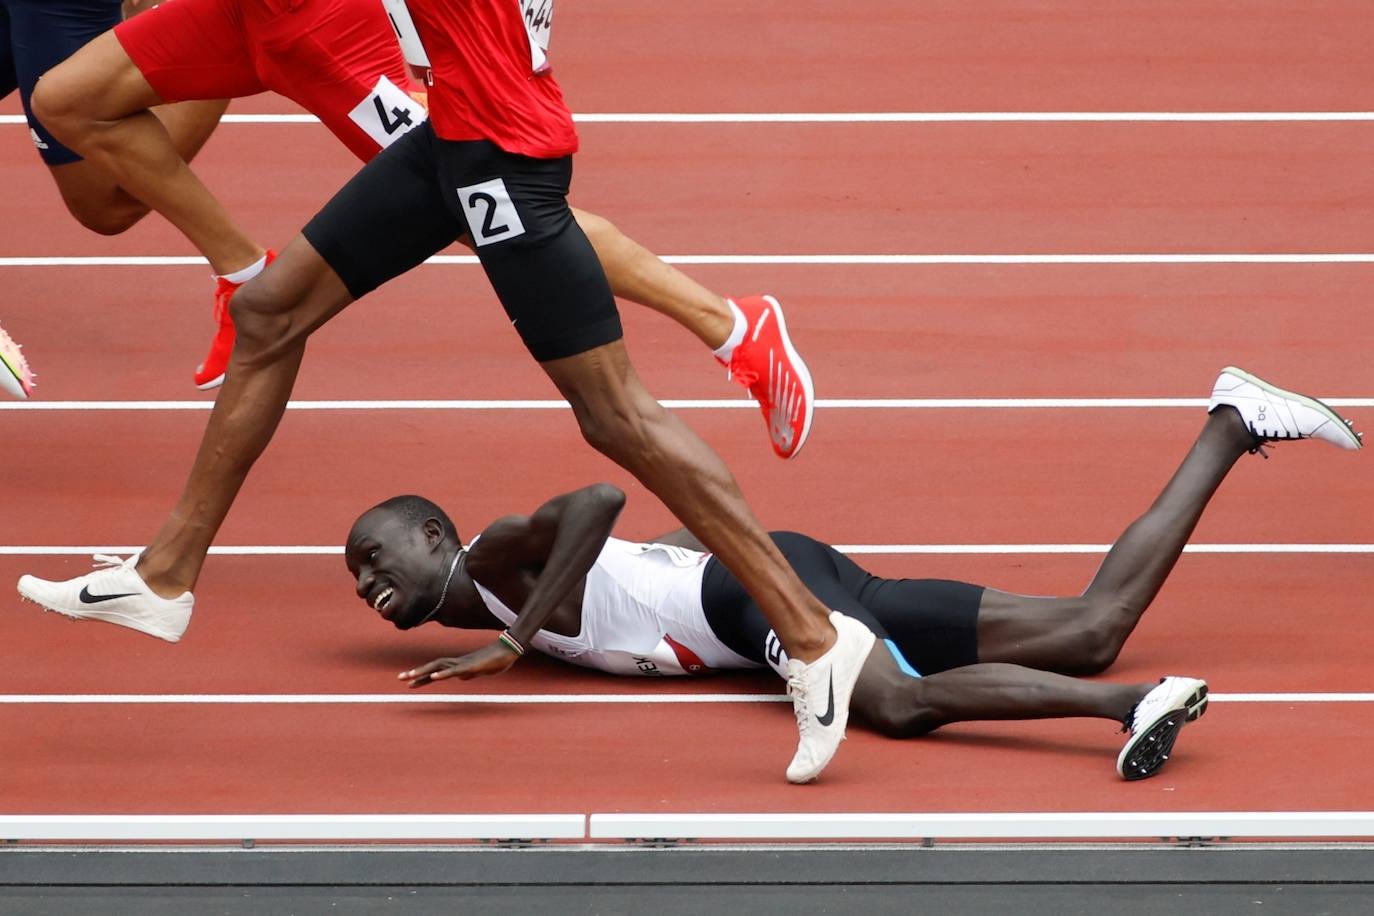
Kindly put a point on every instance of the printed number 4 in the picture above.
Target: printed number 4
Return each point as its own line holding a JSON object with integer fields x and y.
{"x": 398, "y": 119}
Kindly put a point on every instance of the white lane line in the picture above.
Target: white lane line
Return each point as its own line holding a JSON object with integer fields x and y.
{"x": 320, "y": 827}
{"x": 323, "y": 550}
{"x": 868, "y": 826}
{"x": 1017, "y": 825}
{"x": 785, "y": 260}
{"x": 519, "y": 699}
{"x": 740, "y": 403}
{"x": 883, "y": 117}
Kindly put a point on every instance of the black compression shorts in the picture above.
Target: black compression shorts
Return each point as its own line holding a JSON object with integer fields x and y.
{"x": 933, "y": 622}
{"x": 421, "y": 193}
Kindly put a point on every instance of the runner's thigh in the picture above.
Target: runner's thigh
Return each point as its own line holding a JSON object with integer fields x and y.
{"x": 339, "y": 60}
{"x": 388, "y": 219}
{"x": 192, "y": 49}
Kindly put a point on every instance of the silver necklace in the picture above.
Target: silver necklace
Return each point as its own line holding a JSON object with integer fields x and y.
{"x": 453, "y": 567}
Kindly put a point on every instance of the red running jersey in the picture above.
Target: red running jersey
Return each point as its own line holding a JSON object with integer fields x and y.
{"x": 490, "y": 78}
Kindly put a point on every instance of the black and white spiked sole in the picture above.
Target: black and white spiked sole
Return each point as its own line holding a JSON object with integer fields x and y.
{"x": 1148, "y": 749}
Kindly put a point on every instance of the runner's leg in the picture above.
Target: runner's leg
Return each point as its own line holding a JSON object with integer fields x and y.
{"x": 901, "y": 706}
{"x": 387, "y": 219}
{"x": 1085, "y": 634}
{"x": 98, "y": 102}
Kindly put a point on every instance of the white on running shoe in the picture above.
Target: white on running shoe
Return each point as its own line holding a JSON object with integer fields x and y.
{"x": 820, "y": 696}
{"x": 1155, "y": 723}
{"x": 115, "y": 593}
{"x": 1272, "y": 413}
{"x": 768, "y": 365}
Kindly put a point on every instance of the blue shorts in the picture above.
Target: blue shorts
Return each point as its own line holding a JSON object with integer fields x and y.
{"x": 37, "y": 35}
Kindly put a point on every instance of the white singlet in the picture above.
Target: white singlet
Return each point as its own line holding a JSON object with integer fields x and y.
{"x": 641, "y": 614}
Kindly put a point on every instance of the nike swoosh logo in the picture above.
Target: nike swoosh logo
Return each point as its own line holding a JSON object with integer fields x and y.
{"x": 87, "y": 598}
{"x": 830, "y": 703}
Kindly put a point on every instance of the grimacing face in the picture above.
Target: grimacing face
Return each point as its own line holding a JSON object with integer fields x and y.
{"x": 397, "y": 566}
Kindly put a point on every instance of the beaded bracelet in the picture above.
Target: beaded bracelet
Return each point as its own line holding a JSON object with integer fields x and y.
{"x": 510, "y": 642}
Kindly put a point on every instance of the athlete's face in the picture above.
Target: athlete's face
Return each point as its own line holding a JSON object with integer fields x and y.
{"x": 397, "y": 565}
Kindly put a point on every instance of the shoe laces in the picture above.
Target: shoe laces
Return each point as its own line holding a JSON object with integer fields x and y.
{"x": 107, "y": 566}
{"x": 801, "y": 701}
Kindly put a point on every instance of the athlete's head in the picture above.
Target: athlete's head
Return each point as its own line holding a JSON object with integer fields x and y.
{"x": 400, "y": 553}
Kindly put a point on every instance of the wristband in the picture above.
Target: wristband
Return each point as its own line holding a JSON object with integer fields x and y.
{"x": 510, "y": 642}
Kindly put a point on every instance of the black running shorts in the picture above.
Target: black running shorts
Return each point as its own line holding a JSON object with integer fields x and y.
{"x": 421, "y": 194}
{"x": 933, "y": 622}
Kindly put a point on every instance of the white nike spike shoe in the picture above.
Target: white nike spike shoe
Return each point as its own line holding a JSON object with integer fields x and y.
{"x": 1271, "y": 413}
{"x": 820, "y": 696}
{"x": 114, "y": 593}
{"x": 1155, "y": 723}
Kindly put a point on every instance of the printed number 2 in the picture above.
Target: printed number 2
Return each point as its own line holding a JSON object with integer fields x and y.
{"x": 488, "y": 202}
{"x": 490, "y": 214}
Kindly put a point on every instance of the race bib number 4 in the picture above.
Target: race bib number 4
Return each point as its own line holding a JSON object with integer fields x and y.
{"x": 538, "y": 15}
{"x": 387, "y": 112}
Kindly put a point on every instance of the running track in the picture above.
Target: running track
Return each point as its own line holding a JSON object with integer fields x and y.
{"x": 1264, "y": 622}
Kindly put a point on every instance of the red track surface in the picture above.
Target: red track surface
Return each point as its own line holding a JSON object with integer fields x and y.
{"x": 1250, "y": 623}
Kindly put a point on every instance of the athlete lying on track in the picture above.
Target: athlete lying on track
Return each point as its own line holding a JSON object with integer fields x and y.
{"x": 340, "y": 61}
{"x": 557, "y": 582}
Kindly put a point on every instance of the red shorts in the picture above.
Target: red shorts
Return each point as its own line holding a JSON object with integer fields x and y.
{"x": 337, "y": 59}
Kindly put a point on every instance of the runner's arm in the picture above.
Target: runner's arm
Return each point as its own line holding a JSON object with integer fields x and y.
{"x": 559, "y": 543}
{"x": 561, "y": 540}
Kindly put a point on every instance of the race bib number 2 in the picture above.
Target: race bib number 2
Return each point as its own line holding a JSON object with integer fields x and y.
{"x": 491, "y": 215}
{"x": 387, "y": 112}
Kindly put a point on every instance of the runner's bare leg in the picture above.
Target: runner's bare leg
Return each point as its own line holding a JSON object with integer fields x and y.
{"x": 275, "y": 314}
{"x": 1084, "y": 634}
{"x": 623, "y": 421}
{"x": 900, "y": 706}
{"x": 98, "y": 103}
{"x": 640, "y": 276}
{"x": 94, "y": 197}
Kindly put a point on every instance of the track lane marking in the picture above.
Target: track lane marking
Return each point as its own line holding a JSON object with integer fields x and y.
{"x": 844, "y": 260}
{"x": 741, "y": 403}
{"x": 880, "y": 117}
{"x": 330, "y": 550}
{"x": 531, "y": 699}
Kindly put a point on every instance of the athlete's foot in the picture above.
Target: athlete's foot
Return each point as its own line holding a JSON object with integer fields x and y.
{"x": 1155, "y": 722}
{"x": 1272, "y": 413}
{"x": 766, "y": 363}
{"x": 115, "y": 593}
{"x": 210, "y": 374}
{"x": 820, "y": 693}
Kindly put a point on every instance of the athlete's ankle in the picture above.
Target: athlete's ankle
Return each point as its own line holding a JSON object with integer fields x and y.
{"x": 163, "y": 580}
{"x": 1225, "y": 424}
{"x": 812, "y": 644}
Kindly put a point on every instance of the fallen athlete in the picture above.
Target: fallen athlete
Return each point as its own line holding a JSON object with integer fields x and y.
{"x": 555, "y": 581}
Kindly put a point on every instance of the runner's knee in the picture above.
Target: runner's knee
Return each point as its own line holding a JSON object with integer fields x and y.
{"x": 59, "y": 103}
{"x": 900, "y": 711}
{"x": 1093, "y": 645}
{"x": 112, "y": 215}
{"x": 619, "y": 425}
{"x": 259, "y": 319}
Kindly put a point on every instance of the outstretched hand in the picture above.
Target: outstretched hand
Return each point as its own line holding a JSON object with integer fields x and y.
{"x": 486, "y": 661}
